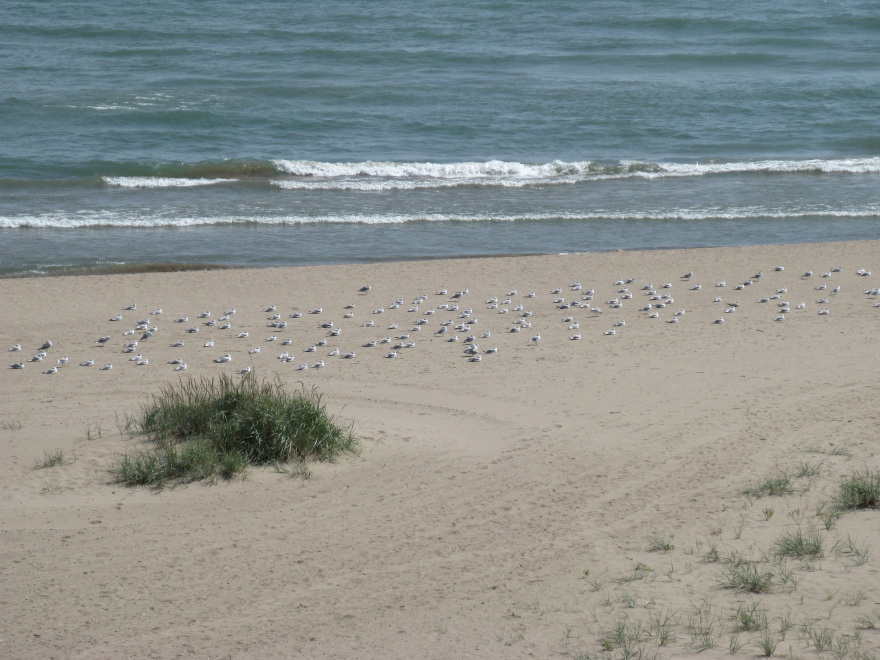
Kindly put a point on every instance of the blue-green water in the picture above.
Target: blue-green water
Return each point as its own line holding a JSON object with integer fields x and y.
{"x": 272, "y": 133}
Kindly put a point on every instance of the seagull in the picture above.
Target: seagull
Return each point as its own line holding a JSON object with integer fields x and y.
{"x": 318, "y": 365}
{"x": 63, "y": 360}
{"x": 107, "y": 367}
{"x": 204, "y": 315}
{"x": 180, "y": 367}
{"x": 118, "y": 317}
{"x": 309, "y": 349}
{"x": 87, "y": 363}
{"x": 824, "y": 312}
{"x": 809, "y": 273}
{"x": 475, "y": 358}
{"x": 182, "y": 319}
{"x": 365, "y": 289}
{"x": 835, "y": 289}
{"x": 142, "y": 363}
{"x": 256, "y": 349}
{"x": 225, "y": 358}
{"x": 46, "y": 345}
{"x": 176, "y": 361}
{"x": 296, "y": 315}
{"x": 493, "y": 349}
{"x": 575, "y": 337}
{"x": 536, "y": 338}
{"x": 156, "y": 312}
{"x": 801, "y": 305}
{"x": 781, "y": 317}
{"x": 286, "y": 342}
{"x": 136, "y": 358}
{"x": 779, "y": 268}
{"x": 177, "y": 344}
{"x": 242, "y": 335}
{"x": 130, "y": 307}
{"x": 16, "y": 347}
{"x": 321, "y": 342}
{"x": 674, "y": 319}
{"x": 244, "y": 370}
{"x": 272, "y": 338}
{"x": 17, "y": 365}
{"x": 193, "y": 329}
{"x": 392, "y": 354}
{"x": 349, "y": 355}
{"x": 611, "y": 332}
{"x": 654, "y": 315}
{"x": 718, "y": 320}
{"x": 317, "y": 310}
{"x": 270, "y": 308}
{"x": 335, "y": 351}
{"x": 52, "y": 370}
{"x": 687, "y": 275}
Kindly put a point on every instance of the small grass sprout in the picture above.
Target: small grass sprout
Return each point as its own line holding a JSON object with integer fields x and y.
{"x": 50, "y": 460}
{"x": 807, "y": 469}
{"x": 660, "y": 543}
{"x": 767, "y": 644}
{"x": 851, "y": 551}
{"x": 748, "y": 617}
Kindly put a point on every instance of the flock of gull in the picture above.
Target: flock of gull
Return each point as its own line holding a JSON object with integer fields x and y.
{"x": 395, "y": 328}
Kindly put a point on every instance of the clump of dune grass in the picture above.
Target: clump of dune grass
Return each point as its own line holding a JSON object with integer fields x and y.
{"x": 801, "y": 544}
{"x": 205, "y": 428}
{"x": 859, "y": 491}
{"x": 773, "y": 485}
{"x": 745, "y": 575}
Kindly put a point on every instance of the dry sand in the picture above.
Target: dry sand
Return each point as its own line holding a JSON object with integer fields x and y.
{"x": 496, "y": 509}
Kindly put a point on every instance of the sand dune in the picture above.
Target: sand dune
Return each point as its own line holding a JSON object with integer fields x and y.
{"x": 505, "y": 508}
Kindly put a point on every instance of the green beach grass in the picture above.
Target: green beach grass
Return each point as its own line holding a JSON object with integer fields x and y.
{"x": 204, "y": 428}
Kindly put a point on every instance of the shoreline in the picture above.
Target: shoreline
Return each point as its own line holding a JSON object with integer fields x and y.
{"x": 495, "y": 509}
{"x": 179, "y": 267}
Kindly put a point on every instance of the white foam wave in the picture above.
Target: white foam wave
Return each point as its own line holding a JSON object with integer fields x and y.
{"x": 160, "y": 182}
{"x": 384, "y": 175}
{"x": 60, "y": 220}
{"x": 469, "y": 170}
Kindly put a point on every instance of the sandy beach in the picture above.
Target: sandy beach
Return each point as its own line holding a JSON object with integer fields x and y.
{"x": 559, "y": 498}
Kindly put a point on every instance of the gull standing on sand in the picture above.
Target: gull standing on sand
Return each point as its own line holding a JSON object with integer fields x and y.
{"x": 225, "y": 358}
